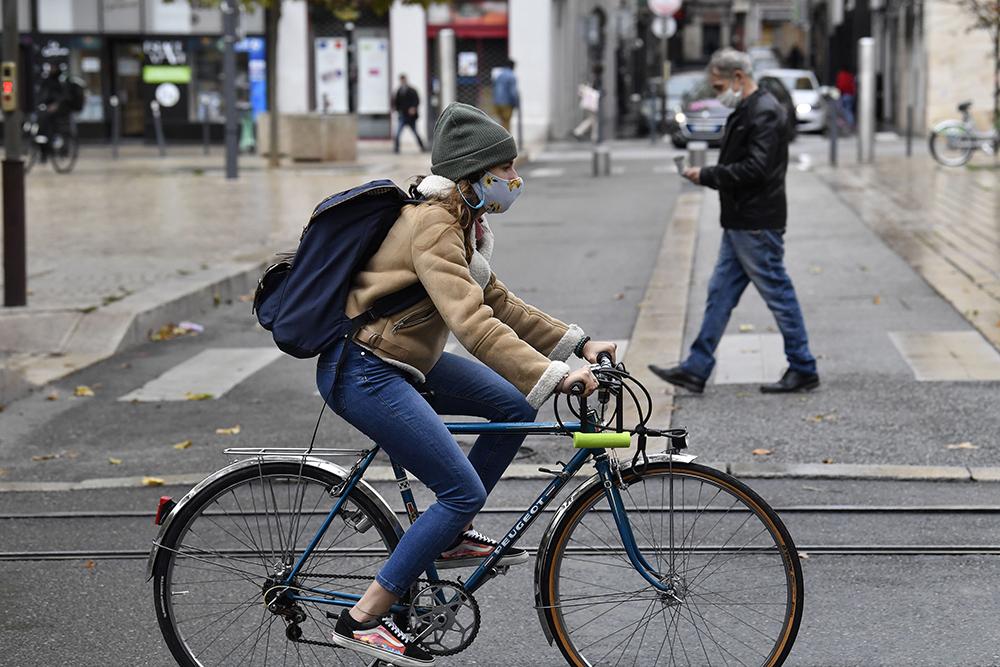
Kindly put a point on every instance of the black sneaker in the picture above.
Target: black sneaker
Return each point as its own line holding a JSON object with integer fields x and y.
{"x": 380, "y": 638}
{"x": 471, "y": 548}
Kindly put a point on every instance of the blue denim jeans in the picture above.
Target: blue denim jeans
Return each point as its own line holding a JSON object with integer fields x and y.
{"x": 380, "y": 401}
{"x": 750, "y": 257}
{"x": 405, "y": 122}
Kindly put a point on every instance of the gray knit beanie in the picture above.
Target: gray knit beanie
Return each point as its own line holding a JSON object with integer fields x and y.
{"x": 467, "y": 141}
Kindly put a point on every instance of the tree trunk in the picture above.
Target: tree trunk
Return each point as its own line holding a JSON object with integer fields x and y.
{"x": 273, "y": 15}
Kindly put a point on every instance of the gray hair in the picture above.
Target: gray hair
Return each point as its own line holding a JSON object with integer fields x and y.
{"x": 725, "y": 63}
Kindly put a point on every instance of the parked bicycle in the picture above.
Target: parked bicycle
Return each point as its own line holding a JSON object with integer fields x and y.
{"x": 48, "y": 136}
{"x": 657, "y": 561}
{"x": 953, "y": 142}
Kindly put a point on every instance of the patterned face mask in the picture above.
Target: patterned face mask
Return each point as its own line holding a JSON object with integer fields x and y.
{"x": 497, "y": 194}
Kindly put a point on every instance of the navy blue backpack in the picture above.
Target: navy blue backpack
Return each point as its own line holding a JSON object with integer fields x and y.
{"x": 301, "y": 300}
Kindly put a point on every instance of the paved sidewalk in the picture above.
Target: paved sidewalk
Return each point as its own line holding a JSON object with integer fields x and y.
{"x": 944, "y": 222}
{"x": 120, "y": 247}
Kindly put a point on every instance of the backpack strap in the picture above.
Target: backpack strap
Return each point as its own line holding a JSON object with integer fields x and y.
{"x": 390, "y": 305}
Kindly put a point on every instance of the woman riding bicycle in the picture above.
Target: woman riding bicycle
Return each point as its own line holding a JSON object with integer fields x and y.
{"x": 393, "y": 379}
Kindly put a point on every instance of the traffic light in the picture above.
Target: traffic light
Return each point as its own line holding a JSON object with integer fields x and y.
{"x": 8, "y": 89}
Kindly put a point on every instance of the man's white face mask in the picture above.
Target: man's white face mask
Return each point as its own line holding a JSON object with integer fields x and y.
{"x": 731, "y": 97}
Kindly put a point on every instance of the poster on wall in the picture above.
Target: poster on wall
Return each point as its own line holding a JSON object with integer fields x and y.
{"x": 331, "y": 74}
{"x": 373, "y": 75}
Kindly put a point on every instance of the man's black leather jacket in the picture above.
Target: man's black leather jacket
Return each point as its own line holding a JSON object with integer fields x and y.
{"x": 750, "y": 175}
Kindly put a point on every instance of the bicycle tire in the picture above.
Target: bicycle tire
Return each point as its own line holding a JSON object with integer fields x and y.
{"x": 705, "y": 591}
{"x": 938, "y": 145}
{"x": 64, "y": 158}
{"x": 218, "y": 556}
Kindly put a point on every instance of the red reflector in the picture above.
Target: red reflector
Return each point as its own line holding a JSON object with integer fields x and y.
{"x": 163, "y": 509}
{"x": 8, "y": 87}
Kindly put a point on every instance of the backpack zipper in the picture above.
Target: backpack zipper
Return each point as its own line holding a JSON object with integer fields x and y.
{"x": 413, "y": 319}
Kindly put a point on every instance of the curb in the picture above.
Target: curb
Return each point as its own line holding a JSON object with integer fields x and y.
{"x": 526, "y": 471}
{"x": 55, "y": 343}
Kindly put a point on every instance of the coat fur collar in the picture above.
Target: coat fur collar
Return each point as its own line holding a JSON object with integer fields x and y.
{"x": 439, "y": 187}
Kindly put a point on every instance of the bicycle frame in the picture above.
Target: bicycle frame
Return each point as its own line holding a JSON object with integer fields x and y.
{"x": 487, "y": 569}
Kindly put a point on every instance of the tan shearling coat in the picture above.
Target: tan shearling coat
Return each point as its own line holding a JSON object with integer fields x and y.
{"x": 521, "y": 343}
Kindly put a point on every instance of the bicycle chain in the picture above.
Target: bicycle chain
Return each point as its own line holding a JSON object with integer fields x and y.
{"x": 355, "y": 577}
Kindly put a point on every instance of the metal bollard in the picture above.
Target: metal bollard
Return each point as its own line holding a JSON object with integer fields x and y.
{"x": 697, "y": 153}
{"x": 909, "y": 130}
{"x": 116, "y": 124}
{"x": 203, "y": 112}
{"x": 158, "y": 127}
{"x": 600, "y": 164}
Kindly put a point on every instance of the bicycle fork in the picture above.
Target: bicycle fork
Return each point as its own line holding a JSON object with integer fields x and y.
{"x": 609, "y": 477}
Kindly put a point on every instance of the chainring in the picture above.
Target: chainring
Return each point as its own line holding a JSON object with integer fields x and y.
{"x": 444, "y": 617}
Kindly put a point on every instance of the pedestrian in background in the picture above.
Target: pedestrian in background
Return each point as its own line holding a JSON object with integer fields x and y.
{"x": 406, "y": 104}
{"x": 505, "y": 95}
{"x": 750, "y": 178}
{"x": 848, "y": 91}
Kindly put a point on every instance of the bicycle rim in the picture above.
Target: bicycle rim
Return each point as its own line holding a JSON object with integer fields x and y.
{"x": 64, "y": 157}
{"x": 737, "y": 582}
{"x": 952, "y": 146}
{"x": 219, "y": 558}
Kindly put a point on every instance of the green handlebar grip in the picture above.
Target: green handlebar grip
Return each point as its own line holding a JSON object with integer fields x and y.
{"x": 601, "y": 440}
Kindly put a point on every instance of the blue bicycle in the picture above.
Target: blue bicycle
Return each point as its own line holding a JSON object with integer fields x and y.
{"x": 656, "y": 561}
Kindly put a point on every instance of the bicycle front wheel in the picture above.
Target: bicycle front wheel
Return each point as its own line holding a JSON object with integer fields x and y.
{"x": 735, "y": 578}
{"x": 217, "y": 574}
{"x": 952, "y": 145}
{"x": 65, "y": 148}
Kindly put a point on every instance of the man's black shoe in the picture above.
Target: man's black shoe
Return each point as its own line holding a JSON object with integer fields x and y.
{"x": 791, "y": 382}
{"x": 679, "y": 377}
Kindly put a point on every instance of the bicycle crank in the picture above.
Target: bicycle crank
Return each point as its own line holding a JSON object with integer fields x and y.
{"x": 444, "y": 617}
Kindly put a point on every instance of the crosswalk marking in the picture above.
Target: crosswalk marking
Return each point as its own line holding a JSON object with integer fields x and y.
{"x": 214, "y": 371}
{"x": 749, "y": 358}
{"x": 948, "y": 356}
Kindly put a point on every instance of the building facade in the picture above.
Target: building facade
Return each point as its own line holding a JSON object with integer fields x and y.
{"x": 138, "y": 52}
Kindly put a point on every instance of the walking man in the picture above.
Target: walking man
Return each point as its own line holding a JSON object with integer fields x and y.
{"x": 505, "y": 95}
{"x": 750, "y": 178}
{"x": 406, "y": 104}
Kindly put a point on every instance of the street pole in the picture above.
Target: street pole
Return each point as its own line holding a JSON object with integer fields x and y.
{"x": 230, "y": 15}
{"x": 866, "y": 100}
{"x": 446, "y": 58}
{"x": 15, "y": 261}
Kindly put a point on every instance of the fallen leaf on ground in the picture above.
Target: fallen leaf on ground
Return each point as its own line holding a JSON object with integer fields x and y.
{"x": 170, "y": 331}
{"x": 44, "y": 457}
{"x": 232, "y": 430}
{"x": 192, "y": 396}
{"x": 815, "y": 269}
{"x": 761, "y": 452}
{"x": 962, "y": 445}
{"x": 152, "y": 481}
{"x": 113, "y": 461}
{"x": 819, "y": 419}
{"x": 743, "y": 394}
{"x": 183, "y": 444}
{"x": 3, "y": 472}
{"x": 125, "y": 365}
{"x": 746, "y": 328}
{"x": 54, "y": 396}
{"x": 83, "y": 390}
{"x": 619, "y": 296}
{"x": 876, "y": 299}
{"x": 89, "y": 564}
{"x": 827, "y": 461}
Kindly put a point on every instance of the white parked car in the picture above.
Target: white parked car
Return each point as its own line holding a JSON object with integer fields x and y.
{"x": 810, "y": 113}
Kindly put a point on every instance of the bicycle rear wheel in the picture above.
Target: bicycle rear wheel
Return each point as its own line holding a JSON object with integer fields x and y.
{"x": 952, "y": 145}
{"x": 223, "y": 555}
{"x": 737, "y": 582}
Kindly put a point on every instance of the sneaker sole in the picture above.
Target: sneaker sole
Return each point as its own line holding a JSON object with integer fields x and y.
{"x": 388, "y": 657}
{"x": 455, "y": 563}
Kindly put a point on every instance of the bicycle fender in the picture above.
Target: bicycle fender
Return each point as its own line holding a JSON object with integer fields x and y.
{"x": 337, "y": 471}
{"x": 585, "y": 487}
{"x": 945, "y": 124}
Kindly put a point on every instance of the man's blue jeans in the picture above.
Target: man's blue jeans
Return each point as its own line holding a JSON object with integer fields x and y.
{"x": 380, "y": 401}
{"x": 750, "y": 257}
